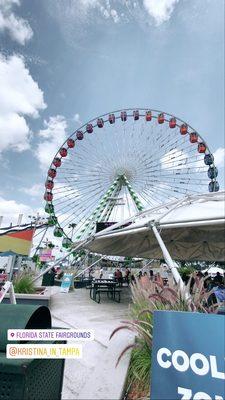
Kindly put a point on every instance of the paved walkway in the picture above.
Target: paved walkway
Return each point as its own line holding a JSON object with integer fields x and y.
{"x": 95, "y": 375}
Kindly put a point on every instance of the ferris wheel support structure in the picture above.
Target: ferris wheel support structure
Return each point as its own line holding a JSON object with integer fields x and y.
{"x": 145, "y": 157}
{"x": 104, "y": 209}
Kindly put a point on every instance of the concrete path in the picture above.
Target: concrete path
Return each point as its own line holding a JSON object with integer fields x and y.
{"x": 95, "y": 375}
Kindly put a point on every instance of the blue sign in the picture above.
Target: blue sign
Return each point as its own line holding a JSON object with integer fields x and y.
{"x": 188, "y": 356}
{"x": 66, "y": 283}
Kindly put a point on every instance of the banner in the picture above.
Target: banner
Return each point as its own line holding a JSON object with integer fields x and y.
{"x": 66, "y": 283}
{"x": 188, "y": 356}
{"x": 45, "y": 255}
{"x": 3, "y": 277}
{"x": 18, "y": 241}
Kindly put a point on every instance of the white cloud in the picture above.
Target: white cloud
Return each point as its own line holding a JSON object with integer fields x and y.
{"x": 89, "y": 3}
{"x": 20, "y": 96}
{"x": 17, "y": 27}
{"x": 14, "y": 132}
{"x": 114, "y": 15}
{"x": 54, "y": 136}
{"x": 103, "y": 6}
{"x": 10, "y": 211}
{"x": 75, "y": 14}
{"x": 160, "y": 10}
{"x": 219, "y": 157}
{"x": 34, "y": 191}
{"x": 104, "y": 12}
{"x": 77, "y": 119}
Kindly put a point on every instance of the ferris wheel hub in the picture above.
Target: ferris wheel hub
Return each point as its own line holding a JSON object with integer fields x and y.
{"x": 141, "y": 159}
{"x": 123, "y": 173}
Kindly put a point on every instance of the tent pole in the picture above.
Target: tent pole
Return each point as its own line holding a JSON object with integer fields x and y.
{"x": 58, "y": 261}
{"x": 147, "y": 265}
{"x": 12, "y": 261}
{"x": 94, "y": 263}
{"x": 12, "y": 294}
{"x": 168, "y": 258}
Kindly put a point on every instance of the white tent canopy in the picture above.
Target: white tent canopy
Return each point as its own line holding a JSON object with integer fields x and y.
{"x": 192, "y": 229}
{"x": 213, "y": 271}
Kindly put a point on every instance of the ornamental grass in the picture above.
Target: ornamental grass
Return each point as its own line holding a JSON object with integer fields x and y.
{"x": 23, "y": 283}
{"x": 147, "y": 297}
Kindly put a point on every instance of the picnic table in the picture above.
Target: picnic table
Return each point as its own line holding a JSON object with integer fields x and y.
{"x": 108, "y": 286}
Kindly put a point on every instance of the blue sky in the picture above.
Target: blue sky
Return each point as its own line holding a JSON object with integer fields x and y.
{"x": 63, "y": 62}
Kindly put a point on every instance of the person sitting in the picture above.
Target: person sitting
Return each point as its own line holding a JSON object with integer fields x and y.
{"x": 218, "y": 280}
{"x": 53, "y": 270}
{"x": 117, "y": 275}
{"x": 144, "y": 280}
{"x": 140, "y": 275}
{"x": 151, "y": 274}
{"x": 120, "y": 279}
{"x": 219, "y": 292}
{"x": 159, "y": 279}
{"x": 59, "y": 273}
{"x": 127, "y": 275}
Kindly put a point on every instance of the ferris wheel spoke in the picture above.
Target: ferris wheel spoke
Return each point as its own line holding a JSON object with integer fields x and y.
{"x": 166, "y": 189}
{"x": 178, "y": 159}
{"x": 87, "y": 208}
{"x": 80, "y": 197}
{"x": 157, "y": 193}
{"x": 80, "y": 209}
{"x": 150, "y": 199}
{"x": 178, "y": 177}
{"x": 142, "y": 153}
{"x": 97, "y": 192}
{"x": 147, "y": 198}
{"x": 168, "y": 151}
{"x": 91, "y": 206}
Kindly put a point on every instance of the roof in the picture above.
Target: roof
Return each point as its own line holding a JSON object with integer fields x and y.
{"x": 192, "y": 229}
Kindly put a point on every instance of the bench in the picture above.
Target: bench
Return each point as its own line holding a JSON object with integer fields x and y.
{"x": 114, "y": 294}
{"x": 94, "y": 290}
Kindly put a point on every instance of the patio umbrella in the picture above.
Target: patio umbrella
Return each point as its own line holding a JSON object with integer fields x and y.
{"x": 191, "y": 229}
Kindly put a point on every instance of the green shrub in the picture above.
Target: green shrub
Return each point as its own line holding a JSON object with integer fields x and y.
{"x": 23, "y": 284}
{"x": 186, "y": 271}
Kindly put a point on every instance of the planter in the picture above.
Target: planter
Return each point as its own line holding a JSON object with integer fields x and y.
{"x": 36, "y": 298}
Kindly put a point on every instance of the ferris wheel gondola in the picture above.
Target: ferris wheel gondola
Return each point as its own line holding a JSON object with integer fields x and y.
{"x": 144, "y": 157}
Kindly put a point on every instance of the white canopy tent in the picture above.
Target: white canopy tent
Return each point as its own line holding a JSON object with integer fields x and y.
{"x": 213, "y": 271}
{"x": 189, "y": 229}
{"x": 192, "y": 229}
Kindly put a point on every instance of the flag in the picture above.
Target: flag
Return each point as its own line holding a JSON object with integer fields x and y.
{"x": 17, "y": 240}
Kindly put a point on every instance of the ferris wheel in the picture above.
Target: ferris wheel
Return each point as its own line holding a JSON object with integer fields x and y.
{"x": 120, "y": 163}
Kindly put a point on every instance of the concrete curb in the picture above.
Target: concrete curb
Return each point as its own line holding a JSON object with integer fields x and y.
{"x": 107, "y": 381}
